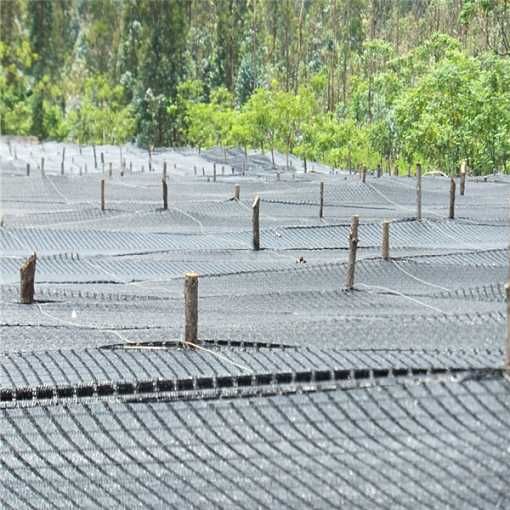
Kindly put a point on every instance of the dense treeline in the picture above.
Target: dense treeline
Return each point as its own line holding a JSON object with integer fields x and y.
{"x": 348, "y": 82}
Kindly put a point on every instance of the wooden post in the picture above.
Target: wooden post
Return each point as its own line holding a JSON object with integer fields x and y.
{"x": 463, "y": 178}
{"x": 507, "y": 360}
{"x": 214, "y": 172}
{"x": 203, "y": 172}
{"x": 363, "y": 174}
{"x": 27, "y": 276}
{"x": 165, "y": 194}
{"x": 386, "y": 240}
{"x": 130, "y": 167}
{"x": 321, "y": 206}
{"x": 256, "y": 223}
{"x": 102, "y": 195}
{"x": 28, "y": 169}
{"x": 379, "y": 171}
{"x": 61, "y": 168}
{"x": 164, "y": 169}
{"x": 63, "y": 155}
{"x": 191, "y": 308}
{"x": 305, "y": 167}
{"x": 418, "y": 192}
{"x": 194, "y": 170}
{"x": 110, "y": 170}
{"x": 451, "y": 214}
{"x": 353, "y": 246}
{"x": 42, "y": 167}
{"x": 102, "y": 162}
{"x": 95, "y": 155}
{"x": 237, "y": 191}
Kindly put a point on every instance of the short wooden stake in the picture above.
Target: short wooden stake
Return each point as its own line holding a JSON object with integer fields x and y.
{"x": 27, "y": 277}
{"x": 256, "y": 223}
{"x": 451, "y": 214}
{"x": 237, "y": 191}
{"x": 102, "y": 195}
{"x": 353, "y": 246}
{"x": 42, "y": 167}
{"x": 321, "y": 205}
{"x": 165, "y": 194}
{"x": 191, "y": 308}
{"x": 386, "y": 240}
{"x": 95, "y": 155}
{"x": 214, "y": 172}
{"x": 418, "y": 192}
{"x": 28, "y": 169}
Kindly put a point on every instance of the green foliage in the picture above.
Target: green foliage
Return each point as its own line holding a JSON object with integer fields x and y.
{"x": 15, "y": 104}
{"x": 99, "y": 115}
{"x": 350, "y": 82}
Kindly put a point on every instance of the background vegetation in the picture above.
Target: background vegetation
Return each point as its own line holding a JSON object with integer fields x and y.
{"x": 347, "y": 82}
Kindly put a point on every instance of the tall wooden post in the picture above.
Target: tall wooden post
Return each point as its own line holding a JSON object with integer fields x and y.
{"x": 95, "y": 155}
{"x": 164, "y": 169}
{"x": 110, "y": 169}
{"x": 61, "y": 168}
{"x": 386, "y": 240}
{"x": 305, "y": 165}
{"x": 42, "y": 167}
{"x": 451, "y": 213}
{"x": 321, "y": 206}
{"x": 165, "y": 194}
{"x": 463, "y": 178}
{"x": 27, "y": 277}
{"x": 418, "y": 192}
{"x": 353, "y": 246}
{"x": 191, "y": 308}
{"x": 102, "y": 195}
{"x": 363, "y": 174}
{"x": 256, "y": 223}
{"x": 214, "y": 172}
{"x": 102, "y": 162}
{"x": 237, "y": 191}
{"x": 507, "y": 360}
